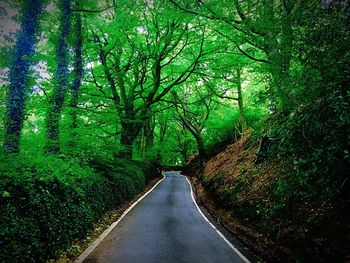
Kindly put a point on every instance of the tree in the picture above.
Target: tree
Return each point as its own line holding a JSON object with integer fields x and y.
{"x": 147, "y": 135}
{"x": 217, "y": 84}
{"x": 77, "y": 71}
{"x": 260, "y": 30}
{"x": 61, "y": 80}
{"x": 19, "y": 74}
{"x": 192, "y": 113}
{"x": 183, "y": 143}
{"x": 143, "y": 65}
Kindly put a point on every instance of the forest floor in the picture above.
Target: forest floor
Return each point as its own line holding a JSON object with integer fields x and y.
{"x": 79, "y": 246}
{"x": 241, "y": 194}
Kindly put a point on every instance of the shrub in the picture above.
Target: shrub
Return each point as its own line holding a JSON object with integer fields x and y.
{"x": 47, "y": 202}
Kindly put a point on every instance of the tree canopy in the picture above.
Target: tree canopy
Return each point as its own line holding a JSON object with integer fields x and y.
{"x": 129, "y": 76}
{"x": 171, "y": 80}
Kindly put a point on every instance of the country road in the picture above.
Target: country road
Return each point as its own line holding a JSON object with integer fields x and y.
{"x": 166, "y": 226}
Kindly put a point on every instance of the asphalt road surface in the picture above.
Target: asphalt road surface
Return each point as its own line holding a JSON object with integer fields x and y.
{"x": 165, "y": 227}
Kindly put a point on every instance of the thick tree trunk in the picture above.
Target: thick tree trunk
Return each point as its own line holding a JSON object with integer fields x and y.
{"x": 147, "y": 135}
{"x": 18, "y": 76}
{"x": 61, "y": 78}
{"x": 201, "y": 151}
{"x": 127, "y": 140}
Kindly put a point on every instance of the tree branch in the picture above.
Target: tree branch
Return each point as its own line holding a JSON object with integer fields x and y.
{"x": 251, "y": 57}
{"x": 92, "y": 11}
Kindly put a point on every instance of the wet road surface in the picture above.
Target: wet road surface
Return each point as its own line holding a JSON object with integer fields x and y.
{"x": 165, "y": 227}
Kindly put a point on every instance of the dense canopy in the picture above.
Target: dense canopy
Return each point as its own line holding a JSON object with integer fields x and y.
{"x": 167, "y": 80}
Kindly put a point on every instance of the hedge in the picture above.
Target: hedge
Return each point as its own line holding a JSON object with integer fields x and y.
{"x": 45, "y": 204}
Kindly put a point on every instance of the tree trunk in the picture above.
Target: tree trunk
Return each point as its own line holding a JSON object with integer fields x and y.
{"x": 78, "y": 74}
{"x": 286, "y": 46}
{"x": 184, "y": 150}
{"x": 279, "y": 53}
{"x": 18, "y": 76}
{"x": 147, "y": 135}
{"x": 242, "y": 119}
{"x": 143, "y": 142}
{"x": 163, "y": 126}
{"x": 61, "y": 78}
{"x": 201, "y": 151}
{"x": 127, "y": 140}
{"x": 149, "y": 132}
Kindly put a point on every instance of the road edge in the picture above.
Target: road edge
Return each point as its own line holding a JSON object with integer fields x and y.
{"x": 214, "y": 227}
{"x": 98, "y": 240}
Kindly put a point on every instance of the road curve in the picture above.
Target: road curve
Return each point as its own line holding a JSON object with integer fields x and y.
{"x": 165, "y": 227}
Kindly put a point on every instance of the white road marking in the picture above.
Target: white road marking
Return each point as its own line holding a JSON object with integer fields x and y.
{"x": 92, "y": 247}
{"x": 217, "y": 231}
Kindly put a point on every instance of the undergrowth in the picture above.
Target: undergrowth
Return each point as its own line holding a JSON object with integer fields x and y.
{"x": 295, "y": 197}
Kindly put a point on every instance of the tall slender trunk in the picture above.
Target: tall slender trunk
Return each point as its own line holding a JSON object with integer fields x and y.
{"x": 163, "y": 125}
{"x": 78, "y": 74}
{"x": 242, "y": 119}
{"x": 286, "y": 46}
{"x": 18, "y": 76}
{"x": 61, "y": 81}
{"x": 149, "y": 131}
{"x": 143, "y": 142}
{"x": 279, "y": 51}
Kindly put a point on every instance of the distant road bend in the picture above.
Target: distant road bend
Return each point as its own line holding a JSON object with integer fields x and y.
{"x": 165, "y": 227}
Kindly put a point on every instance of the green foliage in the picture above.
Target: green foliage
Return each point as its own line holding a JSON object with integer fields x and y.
{"x": 222, "y": 126}
{"x": 314, "y": 133}
{"x": 157, "y": 82}
{"x": 48, "y": 202}
{"x": 317, "y": 139}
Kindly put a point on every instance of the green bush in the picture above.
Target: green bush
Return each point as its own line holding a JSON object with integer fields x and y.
{"x": 316, "y": 138}
{"x": 46, "y": 203}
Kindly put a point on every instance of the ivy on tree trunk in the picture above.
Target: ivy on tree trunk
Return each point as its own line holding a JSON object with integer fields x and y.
{"x": 77, "y": 74}
{"x": 61, "y": 80}
{"x": 19, "y": 76}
